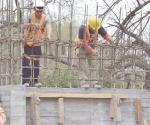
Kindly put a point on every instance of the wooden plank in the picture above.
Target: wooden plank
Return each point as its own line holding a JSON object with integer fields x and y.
{"x": 34, "y": 109}
{"x": 115, "y": 112}
{"x": 61, "y": 110}
{"x": 77, "y": 95}
{"x": 138, "y": 110}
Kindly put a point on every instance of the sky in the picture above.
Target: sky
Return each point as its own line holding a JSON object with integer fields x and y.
{"x": 79, "y": 10}
{"x": 123, "y": 6}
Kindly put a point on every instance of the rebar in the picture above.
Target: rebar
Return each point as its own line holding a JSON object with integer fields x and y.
{"x": 59, "y": 64}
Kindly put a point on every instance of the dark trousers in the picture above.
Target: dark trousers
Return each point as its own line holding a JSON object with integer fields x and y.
{"x": 30, "y": 67}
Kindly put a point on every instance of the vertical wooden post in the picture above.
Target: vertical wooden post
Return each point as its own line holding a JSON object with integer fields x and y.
{"x": 115, "y": 112}
{"x": 138, "y": 110}
{"x": 61, "y": 110}
{"x": 34, "y": 110}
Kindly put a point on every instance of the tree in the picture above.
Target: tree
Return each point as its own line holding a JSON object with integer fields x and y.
{"x": 133, "y": 29}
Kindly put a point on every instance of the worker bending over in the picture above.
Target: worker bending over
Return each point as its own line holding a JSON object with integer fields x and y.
{"x": 86, "y": 46}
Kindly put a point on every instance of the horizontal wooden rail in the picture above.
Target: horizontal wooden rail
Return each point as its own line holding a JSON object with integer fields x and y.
{"x": 77, "y": 95}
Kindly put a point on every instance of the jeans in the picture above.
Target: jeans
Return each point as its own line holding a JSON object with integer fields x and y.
{"x": 30, "y": 67}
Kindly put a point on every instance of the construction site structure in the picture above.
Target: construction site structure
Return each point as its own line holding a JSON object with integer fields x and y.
{"x": 59, "y": 65}
{"x": 71, "y": 106}
{"x": 119, "y": 99}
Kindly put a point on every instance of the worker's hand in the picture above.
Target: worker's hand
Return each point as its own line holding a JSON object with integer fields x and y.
{"x": 108, "y": 37}
{"x": 29, "y": 43}
{"x": 78, "y": 41}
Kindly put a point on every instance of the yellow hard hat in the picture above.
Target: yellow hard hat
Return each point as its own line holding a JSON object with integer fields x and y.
{"x": 94, "y": 22}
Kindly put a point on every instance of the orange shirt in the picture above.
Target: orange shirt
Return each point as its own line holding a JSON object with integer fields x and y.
{"x": 35, "y": 33}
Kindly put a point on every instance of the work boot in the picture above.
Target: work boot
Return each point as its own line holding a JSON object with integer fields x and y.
{"x": 97, "y": 86}
{"x": 26, "y": 84}
{"x": 85, "y": 86}
{"x": 38, "y": 85}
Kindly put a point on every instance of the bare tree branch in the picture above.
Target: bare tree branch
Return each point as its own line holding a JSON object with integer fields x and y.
{"x": 133, "y": 23}
{"x": 144, "y": 26}
{"x": 139, "y": 41}
{"x": 110, "y": 8}
{"x": 132, "y": 13}
{"x": 138, "y": 2}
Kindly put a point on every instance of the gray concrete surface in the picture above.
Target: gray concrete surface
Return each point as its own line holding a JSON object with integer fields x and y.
{"x": 77, "y": 111}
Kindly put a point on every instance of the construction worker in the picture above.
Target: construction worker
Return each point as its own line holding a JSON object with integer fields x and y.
{"x": 35, "y": 34}
{"x": 2, "y": 115}
{"x": 86, "y": 40}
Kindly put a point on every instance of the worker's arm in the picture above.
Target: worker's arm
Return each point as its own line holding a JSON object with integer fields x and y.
{"x": 48, "y": 28}
{"x": 82, "y": 39}
{"x": 104, "y": 34}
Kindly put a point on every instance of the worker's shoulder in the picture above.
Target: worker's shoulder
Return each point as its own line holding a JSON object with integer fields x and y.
{"x": 82, "y": 26}
{"x": 47, "y": 19}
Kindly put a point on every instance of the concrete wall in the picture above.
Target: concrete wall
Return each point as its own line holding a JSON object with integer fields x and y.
{"x": 14, "y": 103}
{"x": 76, "y": 111}
{"x": 92, "y": 111}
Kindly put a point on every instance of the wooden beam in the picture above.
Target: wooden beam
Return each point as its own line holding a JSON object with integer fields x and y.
{"x": 115, "y": 111}
{"x": 34, "y": 109}
{"x": 61, "y": 110}
{"x": 78, "y": 95}
{"x": 138, "y": 110}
